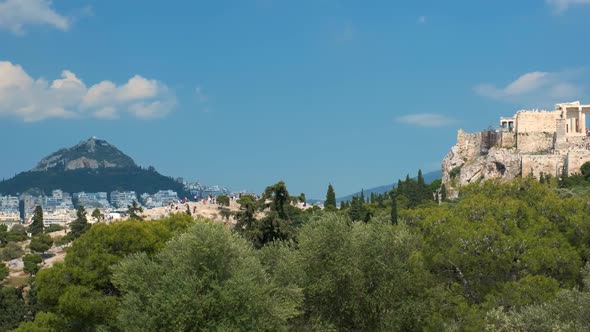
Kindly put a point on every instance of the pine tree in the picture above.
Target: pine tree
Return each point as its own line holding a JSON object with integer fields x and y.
{"x": 302, "y": 199}
{"x": 393, "y": 209}
{"x": 330, "y": 203}
{"x": 443, "y": 193}
{"x": 133, "y": 210}
{"x": 37, "y": 224}
{"x": 96, "y": 214}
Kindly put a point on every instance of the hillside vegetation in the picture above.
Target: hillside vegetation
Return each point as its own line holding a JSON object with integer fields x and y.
{"x": 503, "y": 257}
{"x": 137, "y": 179}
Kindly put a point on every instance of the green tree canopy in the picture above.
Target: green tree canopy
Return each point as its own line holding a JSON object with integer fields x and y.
{"x": 41, "y": 243}
{"x": 12, "y": 307}
{"x": 86, "y": 273}
{"x": 222, "y": 200}
{"x": 356, "y": 277}
{"x": 96, "y": 214}
{"x": 134, "y": 211}
{"x": 11, "y": 251}
{"x": 208, "y": 278}
{"x": 31, "y": 263}
{"x": 3, "y": 271}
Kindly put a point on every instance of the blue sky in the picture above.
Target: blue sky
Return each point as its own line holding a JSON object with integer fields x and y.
{"x": 245, "y": 93}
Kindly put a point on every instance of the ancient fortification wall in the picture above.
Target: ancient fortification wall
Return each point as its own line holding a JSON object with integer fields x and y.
{"x": 547, "y": 164}
{"x": 507, "y": 140}
{"x": 533, "y": 121}
{"x": 575, "y": 159}
{"x": 534, "y": 142}
{"x": 470, "y": 144}
{"x": 578, "y": 143}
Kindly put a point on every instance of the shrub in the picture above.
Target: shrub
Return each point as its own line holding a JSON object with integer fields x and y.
{"x": 11, "y": 251}
{"x": 455, "y": 172}
{"x": 53, "y": 228}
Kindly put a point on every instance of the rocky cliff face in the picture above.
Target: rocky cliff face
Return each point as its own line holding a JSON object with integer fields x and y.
{"x": 470, "y": 161}
{"x": 92, "y": 153}
{"x": 496, "y": 164}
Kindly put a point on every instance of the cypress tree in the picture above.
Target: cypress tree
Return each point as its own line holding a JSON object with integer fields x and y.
{"x": 37, "y": 224}
{"x": 353, "y": 212}
{"x": 443, "y": 193}
{"x": 542, "y": 178}
{"x": 420, "y": 178}
{"x": 80, "y": 225}
{"x": 393, "y": 209}
{"x": 548, "y": 179}
{"x": 380, "y": 199}
{"x": 362, "y": 210}
{"x": 330, "y": 203}
{"x": 423, "y": 188}
{"x": 563, "y": 179}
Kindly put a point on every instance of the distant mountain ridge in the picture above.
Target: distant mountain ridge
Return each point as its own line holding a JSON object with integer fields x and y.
{"x": 428, "y": 178}
{"x": 92, "y": 165}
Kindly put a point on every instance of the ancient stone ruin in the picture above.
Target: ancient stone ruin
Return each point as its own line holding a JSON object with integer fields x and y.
{"x": 528, "y": 144}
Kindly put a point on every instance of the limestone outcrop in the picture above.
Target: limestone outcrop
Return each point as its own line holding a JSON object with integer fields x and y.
{"x": 93, "y": 153}
{"x": 530, "y": 143}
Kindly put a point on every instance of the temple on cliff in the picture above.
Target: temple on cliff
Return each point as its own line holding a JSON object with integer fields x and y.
{"x": 529, "y": 143}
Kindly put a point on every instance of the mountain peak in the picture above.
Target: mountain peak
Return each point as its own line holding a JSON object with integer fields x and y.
{"x": 92, "y": 153}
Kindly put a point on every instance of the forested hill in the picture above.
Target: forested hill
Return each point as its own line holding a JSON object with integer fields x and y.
{"x": 91, "y": 165}
{"x": 137, "y": 179}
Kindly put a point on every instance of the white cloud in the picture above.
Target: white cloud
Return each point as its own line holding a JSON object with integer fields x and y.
{"x": 538, "y": 88}
{"x": 422, "y": 19}
{"x": 152, "y": 109}
{"x": 106, "y": 113}
{"x": 426, "y": 120}
{"x": 560, "y": 6}
{"x": 31, "y": 99}
{"x": 138, "y": 88}
{"x": 15, "y": 14}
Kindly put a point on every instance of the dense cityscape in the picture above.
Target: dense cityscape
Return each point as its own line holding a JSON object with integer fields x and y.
{"x": 59, "y": 207}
